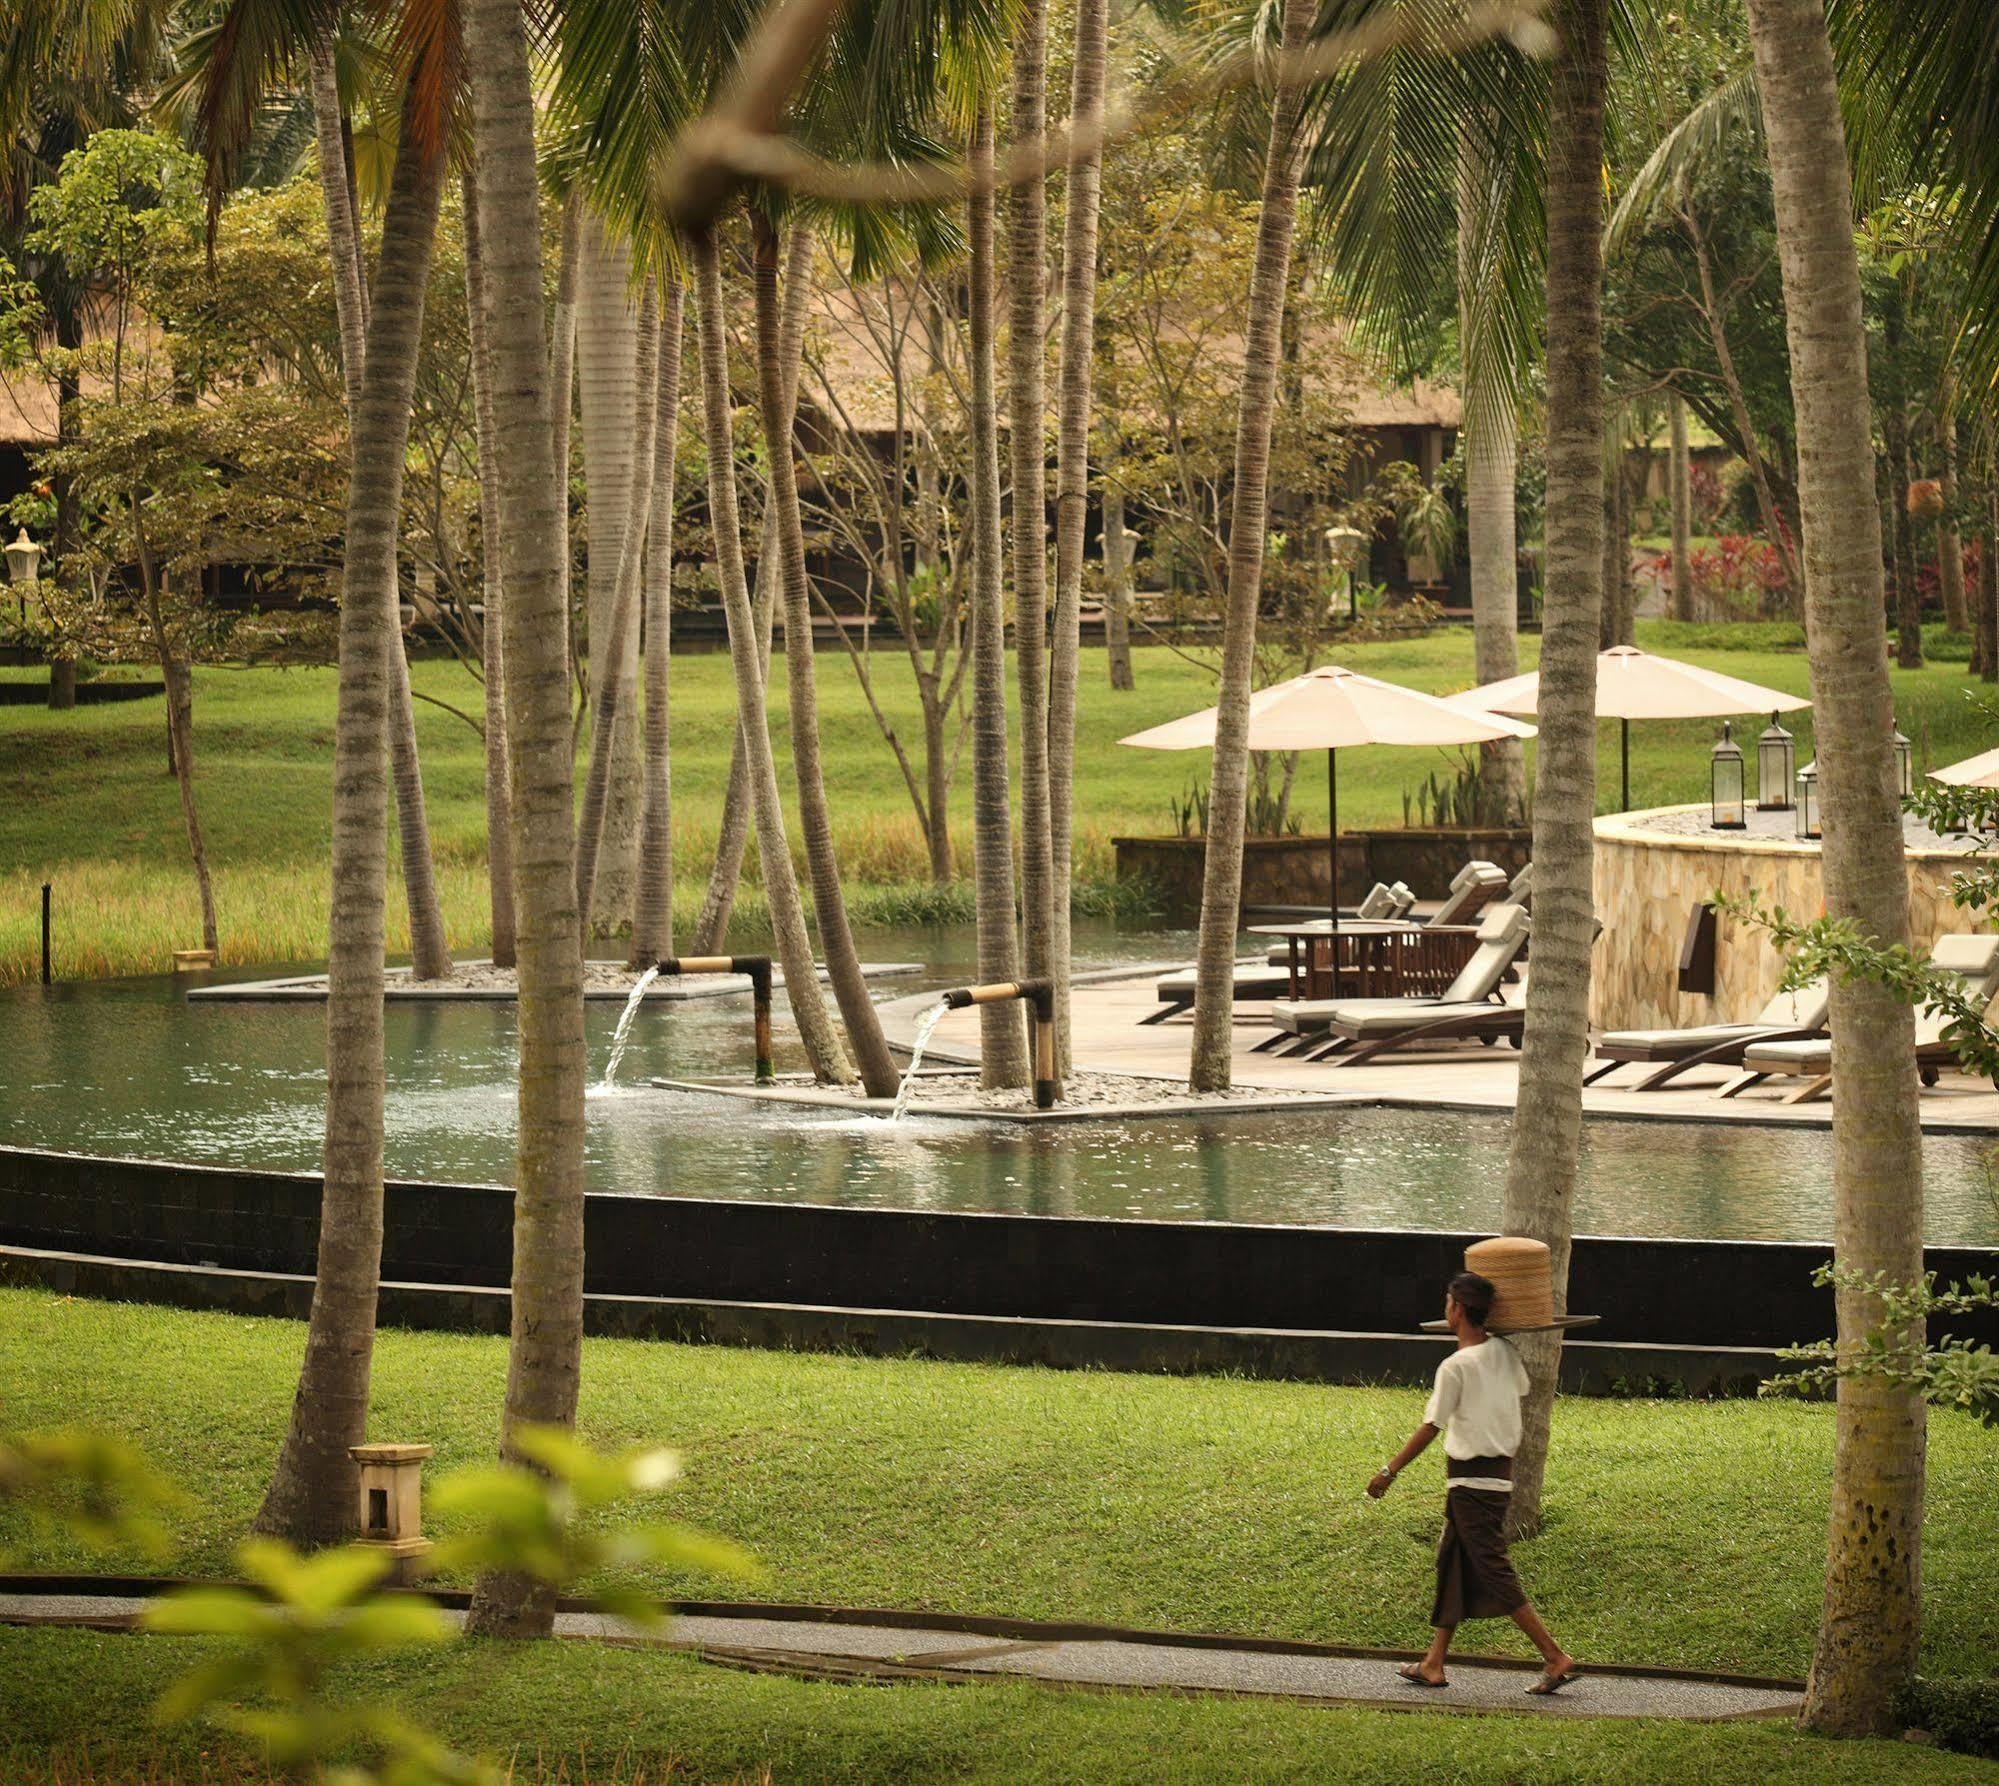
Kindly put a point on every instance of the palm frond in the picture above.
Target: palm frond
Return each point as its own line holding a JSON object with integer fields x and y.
{"x": 1728, "y": 112}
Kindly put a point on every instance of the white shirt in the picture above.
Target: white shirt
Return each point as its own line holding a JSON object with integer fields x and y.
{"x": 1476, "y": 1405}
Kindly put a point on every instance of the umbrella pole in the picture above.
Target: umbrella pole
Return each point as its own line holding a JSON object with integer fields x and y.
{"x": 1624, "y": 732}
{"x": 1333, "y": 828}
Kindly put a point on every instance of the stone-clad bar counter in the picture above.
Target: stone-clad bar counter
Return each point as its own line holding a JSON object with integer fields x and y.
{"x": 1653, "y": 868}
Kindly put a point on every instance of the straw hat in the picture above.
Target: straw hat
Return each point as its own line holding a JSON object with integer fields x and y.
{"x": 1522, "y": 1281}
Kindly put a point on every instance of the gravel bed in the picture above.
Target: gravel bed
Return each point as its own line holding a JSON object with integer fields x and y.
{"x": 1694, "y": 823}
{"x": 1104, "y": 1090}
{"x": 483, "y": 976}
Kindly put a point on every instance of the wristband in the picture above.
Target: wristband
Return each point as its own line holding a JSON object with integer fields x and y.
{"x": 1390, "y": 1471}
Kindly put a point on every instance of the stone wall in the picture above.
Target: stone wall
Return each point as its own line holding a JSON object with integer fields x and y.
{"x": 1648, "y": 883}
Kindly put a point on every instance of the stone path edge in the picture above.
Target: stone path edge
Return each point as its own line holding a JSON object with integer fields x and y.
{"x": 678, "y": 989}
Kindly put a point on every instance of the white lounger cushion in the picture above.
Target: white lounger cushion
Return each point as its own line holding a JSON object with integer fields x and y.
{"x": 1803, "y": 1009}
{"x": 1502, "y": 932}
{"x": 1363, "y": 1018}
{"x": 1975, "y": 957}
{"x": 1253, "y": 979}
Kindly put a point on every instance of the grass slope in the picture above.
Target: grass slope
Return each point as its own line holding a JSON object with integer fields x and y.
{"x": 103, "y": 824}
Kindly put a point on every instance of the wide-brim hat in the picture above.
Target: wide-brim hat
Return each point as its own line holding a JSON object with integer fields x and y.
{"x": 1521, "y": 1273}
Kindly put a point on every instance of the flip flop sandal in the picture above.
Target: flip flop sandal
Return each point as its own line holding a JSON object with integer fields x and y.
{"x": 1418, "y": 1679}
{"x": 1550, "y": 1684}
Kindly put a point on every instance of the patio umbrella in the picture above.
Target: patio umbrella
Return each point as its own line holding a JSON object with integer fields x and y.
{"x": 1633, "y": 684}
{"x": 1981, "y": 771}
{"x": 1328, "y": 709}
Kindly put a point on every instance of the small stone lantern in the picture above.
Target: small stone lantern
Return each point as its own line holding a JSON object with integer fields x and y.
{"x": 1776, "y": 766}
{"x": 1808, "y": 801}
{"x": 1725, "y": 794}
{"x": 1905, "y": 765}
{"x": 392, "y": 1505}
{"x": 24, "y": 559}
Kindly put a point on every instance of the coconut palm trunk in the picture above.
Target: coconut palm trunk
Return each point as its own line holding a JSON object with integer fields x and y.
{"x": 1871, "y": 1621}
{"x": 787, "y": 914}
{"x": 1002, "y": 1039}
{"x": 608, "y": 387}
{"x": 1027, "y": 401}
{"x": 836, "y": 936}
{"x": 311, "y": 1498}
{"x": 562, "y": 396}
{"x": 1679, "y": 490}
{"x": 1902, "y": 530}
{"x": 711, "y": 925}
{"x": 652, "y": 906}
{"x": 1228, "y": 786}
{"x": 545, "y": 1355}
{"x": 1083, "y": 199}
{"x": 1491, "y": 438}
{"x": 430, "y": 950}
{"x": 1117, "y": 590}
{"x": 1950, "y": 542}
{"x": 607, "y": 695}
{"x": 499, "y": 824}
{"x": 1548, "y": 1112}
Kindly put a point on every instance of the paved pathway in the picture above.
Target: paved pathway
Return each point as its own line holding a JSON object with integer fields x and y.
{"x": 781, "y": 1641}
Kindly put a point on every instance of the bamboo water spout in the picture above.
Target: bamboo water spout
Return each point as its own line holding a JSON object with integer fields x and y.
{"x": 1041, "y": 995}
{"x": 757, "y": 967}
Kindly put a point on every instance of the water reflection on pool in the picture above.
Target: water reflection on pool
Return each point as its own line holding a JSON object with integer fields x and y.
{"x": 133, "y": 1068}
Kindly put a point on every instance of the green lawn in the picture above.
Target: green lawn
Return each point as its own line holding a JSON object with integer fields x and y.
{"x": 1192, "y": 1504}
{"x": 104, "y": 826}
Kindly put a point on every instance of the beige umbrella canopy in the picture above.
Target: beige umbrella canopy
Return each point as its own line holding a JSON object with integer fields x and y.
{"x": 1329, "y": 709}
{"x": 1633, "y": 684}
{"x": 1981, "y": 771}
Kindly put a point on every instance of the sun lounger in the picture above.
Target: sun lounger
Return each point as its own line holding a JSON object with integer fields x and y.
{"x": 1380, "y": 901}
{"x": 1976, "y": 958}
{"x": 1470, "y": 1006}
{"x": 1253, "y": 980}
{"x": 1474, "y": 887}
{"x": 1789, "y": 1016}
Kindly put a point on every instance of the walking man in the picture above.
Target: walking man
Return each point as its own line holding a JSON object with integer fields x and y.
{"x": 1476, "y": 1406}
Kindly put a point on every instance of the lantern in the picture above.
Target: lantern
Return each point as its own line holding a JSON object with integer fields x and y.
{"x": 1345, "y": 547}
{"x": 24, "y": 559}
{"x": 1776, "y": 764}
{"x": 1808, "y": 800}
{"x": 1905, "y": 765}
{"x": 1725, "y": 797}
{"x": 391, "y": 1510}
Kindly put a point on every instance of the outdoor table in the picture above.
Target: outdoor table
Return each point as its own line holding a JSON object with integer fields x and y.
{"x": 1363, "y": 962}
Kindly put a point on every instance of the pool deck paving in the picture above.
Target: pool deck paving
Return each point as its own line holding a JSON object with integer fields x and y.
{"x": 871, "y": 1646}
{"x": 1108, "y": 1036}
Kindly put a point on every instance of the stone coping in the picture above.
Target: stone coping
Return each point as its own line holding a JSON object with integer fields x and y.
{"x": 668, "y": 988}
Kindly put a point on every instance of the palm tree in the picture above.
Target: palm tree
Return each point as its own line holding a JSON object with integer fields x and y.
{"x": 311, "y": 1497}
{"x": 1870, "y": 1624}
{"x": 1228, "y": 786}
{"x": 545, "y": 1356}
{"x": 1548, "y": 1111}
{"x": 1002, "y": 1041}
{"x": 1083, "y": 199}
{"x": 836, "y": 936}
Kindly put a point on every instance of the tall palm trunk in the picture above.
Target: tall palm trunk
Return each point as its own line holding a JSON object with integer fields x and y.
{"x": 1988, "y": 576}
{"x": 1901, "y": 524}
{"x": 499, "y": 824}
{"x": 787, "y": 914}
{"x": 312, "y": 1492}
{"x": 1072, "y": 485}
{"x": 430, "y": 951}
{"x": 738, "y": 805}
{"x": 1871, "y": 1621}
{"x": 836, "y": 935}
{"x": 1950, "y": 542}
{"x": 608, "y": 692}
{"x": 1679, "y": 492}
{"x": 1117, "y": 589}
{"x": 562, "y": 392}
{"x": 608, "y": 386}
{"x": 1548, "y": 1112}
{"x": 1027, "y": 402}
{"x": 1491, "y": 438}
{"x": 545, "y": 1356}
{"x": 652, "y": 906}
{"x": 179, "y": 679}
{"x": 1228, "y": 786}
{"x": 1002, "y": 1041}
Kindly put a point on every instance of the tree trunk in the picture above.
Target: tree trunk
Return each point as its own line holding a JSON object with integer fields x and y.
{"x": 1002, "y": 1040}
{"x": 787, "y": 915}
{"x": 313, "y": 1489}
{"x": 545, "y": 1356}
{"x": 1548, "y": 1112}
{"x": 1950, "y": 542}
{"x": 1871, "y": 1621}
{"x": 179, "y": 680}
{"x": 1082, "y": 201}
{"x": 738, "y": 807}
{"x": 652, "y": 909}
{"x": 1902, "y": 528}
{"x": 608, "y": 380}
{"x": 1117, "y": 590}
{"x": 1988, "y": 581}
{"x": 1491, "y": 439}
{"x": 1026, "y": 395}
{"x": 499, "y": 823}
{"x": 1228, "y": 786}
{"x": 430, "y": 951}
{"x": 1679, "y": 487}
{"x": 1615, "y": 626}
{"x": 562, "y": 395}
{"x": 607, "y": 693}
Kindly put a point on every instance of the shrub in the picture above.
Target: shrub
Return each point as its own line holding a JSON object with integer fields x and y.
{"x": 1960, "y": 1713}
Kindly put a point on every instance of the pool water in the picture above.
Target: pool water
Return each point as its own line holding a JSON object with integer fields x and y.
{"x": 131, "y": 1067}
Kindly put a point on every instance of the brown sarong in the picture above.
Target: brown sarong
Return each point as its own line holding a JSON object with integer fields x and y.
{"x": 1475, "y": 1578}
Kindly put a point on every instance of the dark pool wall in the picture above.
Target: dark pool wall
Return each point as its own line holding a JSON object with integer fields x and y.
{"x": 1655, "y": 1292}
